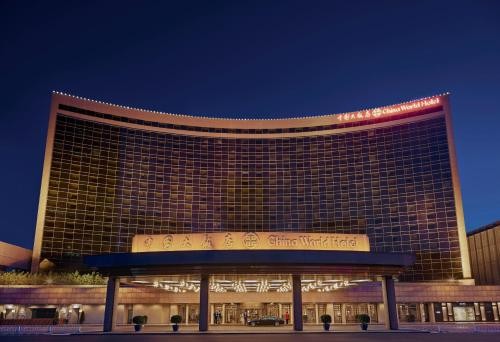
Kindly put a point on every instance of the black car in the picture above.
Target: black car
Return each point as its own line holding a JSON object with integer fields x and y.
{"x": 266, "y": 320}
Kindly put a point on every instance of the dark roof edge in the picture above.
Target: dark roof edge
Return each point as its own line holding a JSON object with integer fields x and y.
{"x": 483, "y": 228}
{"x": 243, "y": 257}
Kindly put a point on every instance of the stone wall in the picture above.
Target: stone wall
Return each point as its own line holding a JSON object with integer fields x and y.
{"x": 364, "y": 293}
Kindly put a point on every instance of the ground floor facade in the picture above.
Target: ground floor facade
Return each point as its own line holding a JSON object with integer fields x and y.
{"x": 288, "y": 288}
{"x": 415, "y": 303}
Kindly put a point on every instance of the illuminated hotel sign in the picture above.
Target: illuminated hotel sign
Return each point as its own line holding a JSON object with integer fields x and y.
{"x": 250, "y": 241}
{"x": 385, "y": 111}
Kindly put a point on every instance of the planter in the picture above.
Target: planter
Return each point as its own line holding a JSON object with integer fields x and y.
{"x": 175, "y": 327}
{"x": 139, "y": 322}
{"x": 326, "y": 320}
{"x": 364, "y": 326}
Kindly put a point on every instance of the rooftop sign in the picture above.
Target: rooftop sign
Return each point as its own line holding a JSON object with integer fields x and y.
{"x": 250, "y": 241}
{"x": 390, "y": 110}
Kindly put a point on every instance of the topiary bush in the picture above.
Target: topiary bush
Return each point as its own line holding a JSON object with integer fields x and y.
{"x": 140, "y": 320}
{"x": 176, "y": 319}
{"x": 363, "y": 318}
{"x": 326, "y": 319}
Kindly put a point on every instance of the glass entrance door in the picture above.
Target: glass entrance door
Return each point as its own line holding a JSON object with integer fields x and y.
{"x": 309, "y": 313}
{"x": 193, "y": 313}
{"x": 231, "y": 314}
{"x": 272, "y": 310}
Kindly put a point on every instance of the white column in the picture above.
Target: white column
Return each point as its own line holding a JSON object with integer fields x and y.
{"x": 187, "y": 313}
{"x": 316, "y": 311}
{"x": 212, "y": 310}
{"x": 174, "y": 309}
{"x": 422, "y": 312}
{"x": 280, "y": 310}
{"x": 329, "y": 309}
{"x": 432, "y": 316}
{"x": 166, "y": 313}
{"x": 223, "y": 314}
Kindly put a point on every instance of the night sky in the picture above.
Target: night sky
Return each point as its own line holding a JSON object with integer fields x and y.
{"x": 264, "y": 59}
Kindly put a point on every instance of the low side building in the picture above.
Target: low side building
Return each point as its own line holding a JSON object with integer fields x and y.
{"x": 484, "y": 249}
{"x": 14, "y": 257}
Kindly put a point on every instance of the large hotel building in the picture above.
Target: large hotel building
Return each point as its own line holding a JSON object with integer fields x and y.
{"x": 338, "y": 214}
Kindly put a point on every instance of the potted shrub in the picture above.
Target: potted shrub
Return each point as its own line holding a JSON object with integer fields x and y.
{"x": 139, "y": 322}
{"x": 175, "y": 320}
{"x": 326, "y": 319}
{"x": 364, "y": 319}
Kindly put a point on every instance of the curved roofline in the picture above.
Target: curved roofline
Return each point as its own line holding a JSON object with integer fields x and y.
{"x": 244, "y": 119}
{"x": 426, "y": 103}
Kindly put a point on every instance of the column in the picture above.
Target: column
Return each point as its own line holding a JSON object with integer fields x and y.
{"x": 389, "y": 295}
{"x": 110, "y": 309}
{"x": 432, "y": 315}
{"x": 187, "y": 314}
{"x": 212, "y": 310}
{"x": 203, "y": 326}
{"x": 223, "y": 314}
{"x": 423, "y": 317}
{"x": 280, "y": 310}
{"x": 316, "y": 312}
{"x": 297, "y": 302}
{"x": 174, "y": 310}
{"x": 166, "y": 313}
{"x": 329, "y": 310}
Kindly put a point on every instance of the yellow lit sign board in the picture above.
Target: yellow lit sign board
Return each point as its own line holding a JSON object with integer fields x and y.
{"x": 250, "y": 241}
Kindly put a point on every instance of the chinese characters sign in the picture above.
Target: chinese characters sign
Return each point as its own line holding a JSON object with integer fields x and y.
{"x": 250, "y": 241}
{"x": 385, "y": 111}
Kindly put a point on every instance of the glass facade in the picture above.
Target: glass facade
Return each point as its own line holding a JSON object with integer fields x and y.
{"x": 109, "y": 182}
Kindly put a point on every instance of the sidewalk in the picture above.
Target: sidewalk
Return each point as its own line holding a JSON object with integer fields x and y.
{"x": 226, "y": 329}
{"x": 240, "y": 329}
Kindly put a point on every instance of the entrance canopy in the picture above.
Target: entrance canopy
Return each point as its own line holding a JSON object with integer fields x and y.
{"x": 250, "y": 262}
{"x": 213, "y": 262}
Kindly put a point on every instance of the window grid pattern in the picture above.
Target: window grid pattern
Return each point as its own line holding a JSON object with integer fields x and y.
{"x": 109, "y": 183}
{"x": 250, "y": 130}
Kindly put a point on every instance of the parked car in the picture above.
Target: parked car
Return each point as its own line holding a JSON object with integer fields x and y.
{"x": 266, "y": 320}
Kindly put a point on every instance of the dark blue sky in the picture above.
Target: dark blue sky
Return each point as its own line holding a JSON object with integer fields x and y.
{"x": 247, "y": 59}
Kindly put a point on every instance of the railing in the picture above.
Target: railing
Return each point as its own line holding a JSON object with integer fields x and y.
{"x": 456, "y": 327}
{"x": 64, "y": 329}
